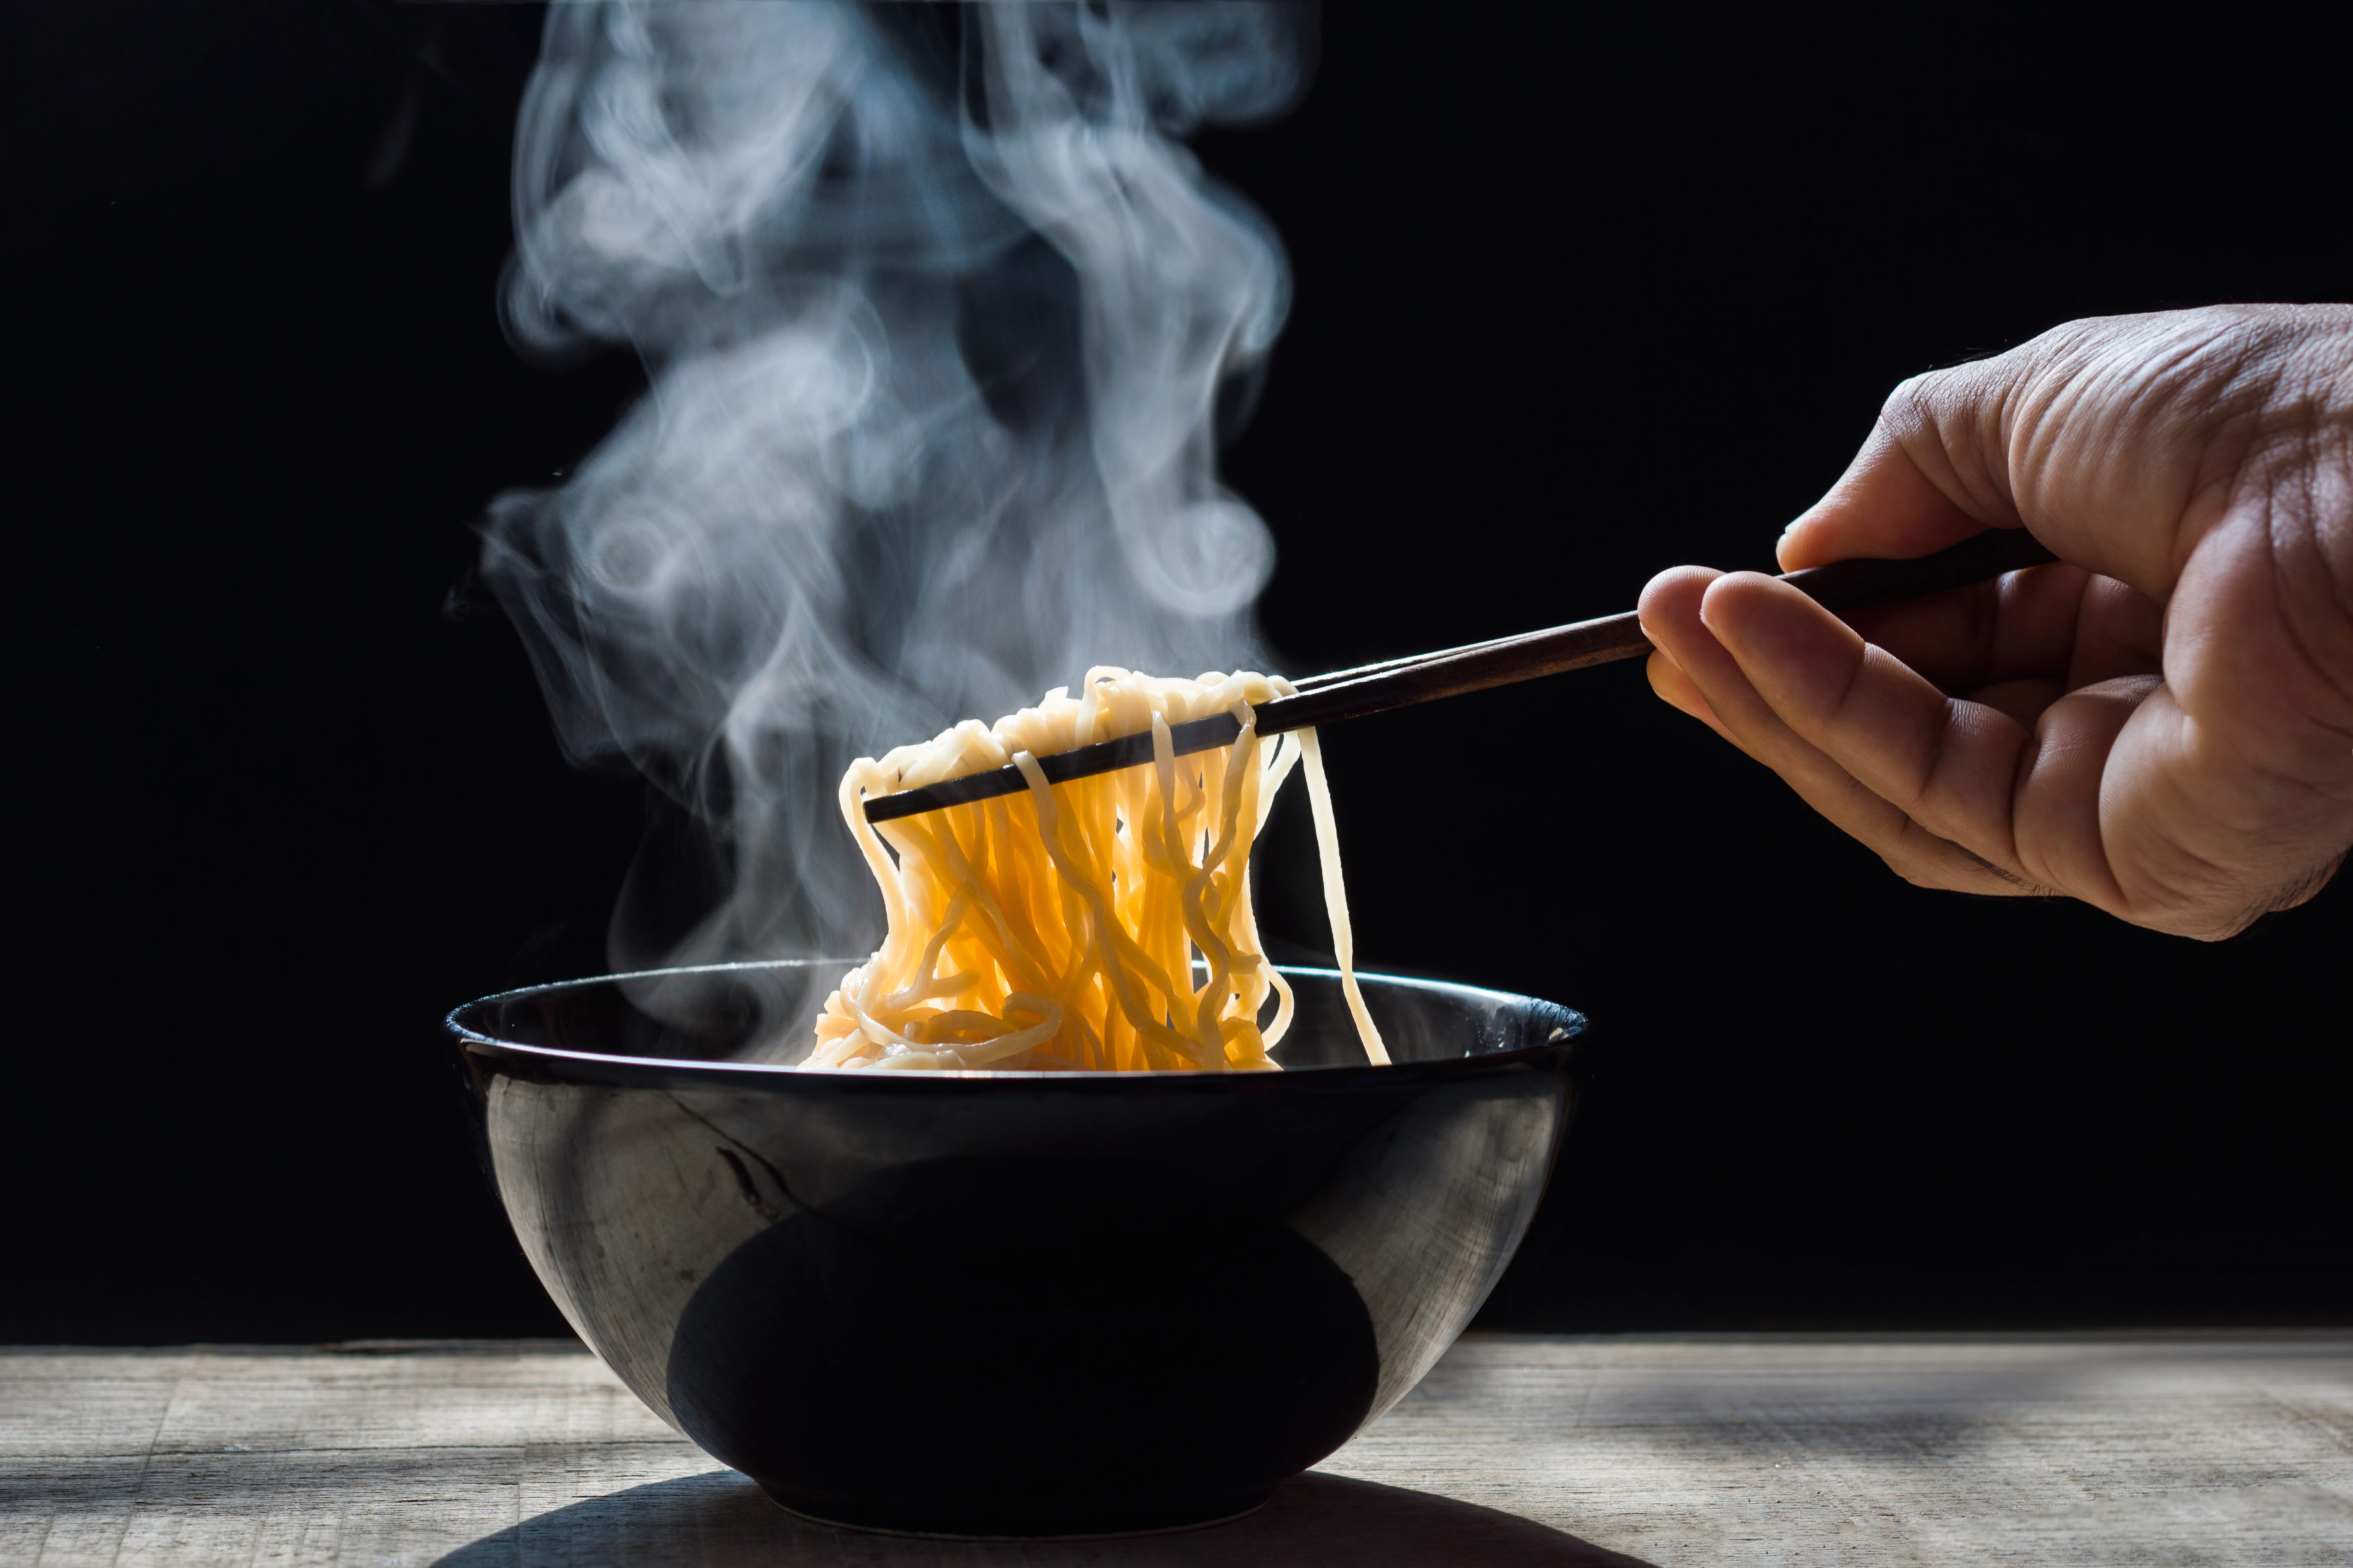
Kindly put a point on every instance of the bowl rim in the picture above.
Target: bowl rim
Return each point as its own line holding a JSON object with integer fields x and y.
{"x": 605, "y": 1069}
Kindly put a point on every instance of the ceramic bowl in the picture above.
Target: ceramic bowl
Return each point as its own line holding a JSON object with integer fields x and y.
{"x": 1014, "y": 1304}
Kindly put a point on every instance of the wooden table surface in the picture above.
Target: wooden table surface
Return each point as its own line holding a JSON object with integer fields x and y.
{"x": 1518, "y": 1449}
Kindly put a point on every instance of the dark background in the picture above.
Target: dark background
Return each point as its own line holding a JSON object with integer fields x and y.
{"x": 1583, "y": 291}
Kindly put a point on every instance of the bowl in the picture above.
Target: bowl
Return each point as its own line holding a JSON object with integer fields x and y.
{"x": 1032, "y": 1304}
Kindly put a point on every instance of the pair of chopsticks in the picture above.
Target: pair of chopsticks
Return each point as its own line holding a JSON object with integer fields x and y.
{"x": 1425, "y": 678}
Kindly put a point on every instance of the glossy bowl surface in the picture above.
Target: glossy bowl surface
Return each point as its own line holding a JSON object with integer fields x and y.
{"x": 1015, "y": 1304}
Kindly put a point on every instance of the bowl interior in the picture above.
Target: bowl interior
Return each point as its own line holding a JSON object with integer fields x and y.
{"x": 756, "y": 1014}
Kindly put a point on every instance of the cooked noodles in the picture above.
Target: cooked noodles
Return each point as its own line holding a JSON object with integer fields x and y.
{"x": 1067, "y": 927}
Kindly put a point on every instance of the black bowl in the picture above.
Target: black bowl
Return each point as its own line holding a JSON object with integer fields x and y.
{"x": 1015, "y": 1304}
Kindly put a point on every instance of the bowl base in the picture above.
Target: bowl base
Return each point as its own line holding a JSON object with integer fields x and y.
{"x": 1175, "y": 1519}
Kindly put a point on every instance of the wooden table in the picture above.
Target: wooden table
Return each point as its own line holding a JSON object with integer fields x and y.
{"x": 1671, "y": 1450}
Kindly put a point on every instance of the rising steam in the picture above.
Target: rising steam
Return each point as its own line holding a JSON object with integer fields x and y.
{"x": 941, "y": 322}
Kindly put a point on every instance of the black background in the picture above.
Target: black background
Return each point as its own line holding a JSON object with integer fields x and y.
{"x": 1583, "y": 291}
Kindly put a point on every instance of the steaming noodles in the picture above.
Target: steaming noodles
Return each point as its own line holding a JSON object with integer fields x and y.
{"x": 1064, "y": 928}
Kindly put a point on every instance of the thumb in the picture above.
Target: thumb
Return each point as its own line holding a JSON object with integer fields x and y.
{"x": 1905, "y": 495}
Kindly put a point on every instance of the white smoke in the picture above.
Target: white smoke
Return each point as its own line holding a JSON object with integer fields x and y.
{"x": 939, "y": 318}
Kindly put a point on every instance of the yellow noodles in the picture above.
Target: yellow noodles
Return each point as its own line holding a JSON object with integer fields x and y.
{"x": 1064, "y": 928}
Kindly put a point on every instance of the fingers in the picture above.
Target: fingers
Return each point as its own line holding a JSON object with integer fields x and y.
{"x": 2172, "y": 459}
{"x": 1887, "y": 506}
{"x": 1693, "y": 668}
{"x": 2020, "y": 626}
{"x": 1948, "y": 765}
{"x": 2107, "y": 439}
{"x": 2022, "y": 700}
{"x": 2119, "y": 631}
{"x": 1675, "y": 688}
{"x": 2057, "y": 794}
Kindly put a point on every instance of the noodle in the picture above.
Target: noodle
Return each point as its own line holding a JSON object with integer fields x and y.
{"x": 1064, "y": 928}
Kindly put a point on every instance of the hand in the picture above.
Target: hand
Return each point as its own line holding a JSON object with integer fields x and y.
{"x": 2160, "y": 725}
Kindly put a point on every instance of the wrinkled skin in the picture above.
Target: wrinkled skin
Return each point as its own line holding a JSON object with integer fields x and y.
{"x": 2162, "y": 724}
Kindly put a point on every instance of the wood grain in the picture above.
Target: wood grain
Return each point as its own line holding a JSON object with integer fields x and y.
{"x": 2218, "y": 1449}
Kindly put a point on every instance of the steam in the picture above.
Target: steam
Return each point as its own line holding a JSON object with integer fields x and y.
{"x": 941, "y": 322}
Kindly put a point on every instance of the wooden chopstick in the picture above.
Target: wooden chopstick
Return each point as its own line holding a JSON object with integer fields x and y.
{"x": 1475, "y": 666}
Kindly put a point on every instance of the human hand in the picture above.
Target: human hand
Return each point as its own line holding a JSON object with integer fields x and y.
{"x": 2160, "y": 725}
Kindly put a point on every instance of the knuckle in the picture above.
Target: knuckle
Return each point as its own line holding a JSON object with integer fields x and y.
{"x": 1910, "y": 408}
{"x": 1921, "y": 859}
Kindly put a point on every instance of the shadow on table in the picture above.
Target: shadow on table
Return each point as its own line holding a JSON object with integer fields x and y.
{"x": 720, "y": 1520}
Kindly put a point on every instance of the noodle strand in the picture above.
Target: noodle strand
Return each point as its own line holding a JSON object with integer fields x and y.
{"x": 1061, "y": 929}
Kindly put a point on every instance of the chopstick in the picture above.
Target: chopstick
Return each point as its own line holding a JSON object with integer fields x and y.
{"x": 1451, "y": 672}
